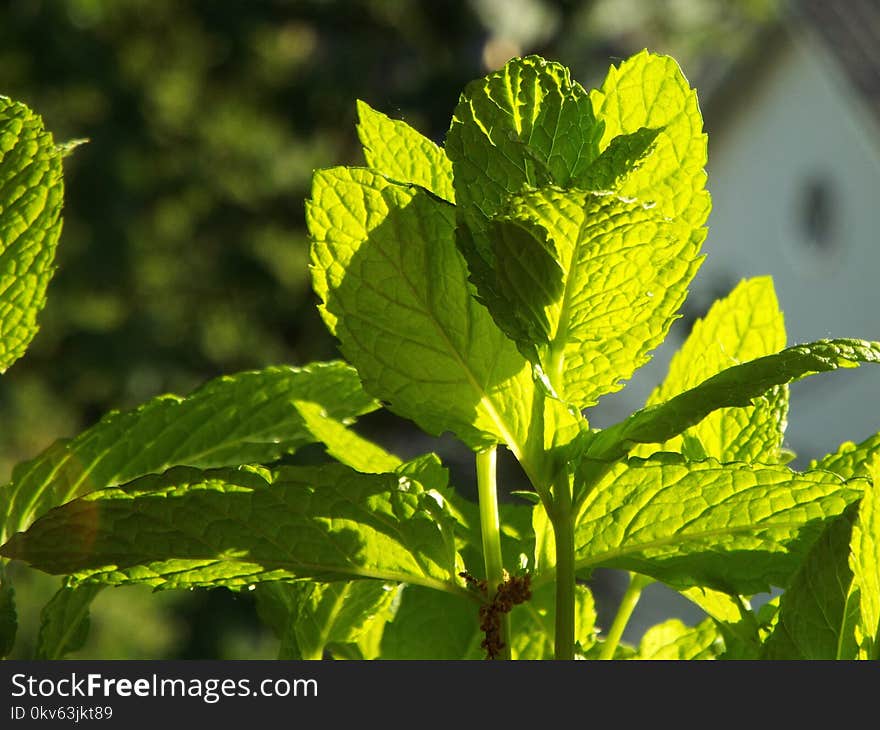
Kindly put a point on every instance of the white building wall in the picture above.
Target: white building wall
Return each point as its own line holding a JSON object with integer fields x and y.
{"x": 801, "y": 122}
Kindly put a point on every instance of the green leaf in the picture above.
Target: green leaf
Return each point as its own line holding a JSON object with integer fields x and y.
{"x": 463, "y": 532}
{"x": 864, "y": 561}
{"x": 617, "y": 273}
{"x": 721, "y": 606}
{"x": 66, "y": 149}
{"x": 735, "y": 528}
{"x": 744, "y": 638}
{"x": 343, "y": 444}
{"x": 737, "y": 386}
{"x": 619, "y": 159}
{"x": 65, "y": 621}
{"x": 527, "y": 124}
{"x": 432, "y": 625}
{"x": 400, "y": 153}
{"x": 394, "y": 291}
{"x": 8, "y": 614}
{"x": 545, "y": 541}
{"x": 524, "y": 126}
{"x": 818, "y": 609}
{"x": 429, "y": 625}
{"x": 735, "y": 619}
{"x": 31, "y": 198}
{"x": 309, "y": 617}
{"x": 851, "y": 460}
{"x": 235, "y": 528}
{"x": 745, "y": 325}
{"x": 650, "y": 91}
{"x": 250, "y": 417}
{"x": 364, "y": 456}
{"x": 673, "y": 640}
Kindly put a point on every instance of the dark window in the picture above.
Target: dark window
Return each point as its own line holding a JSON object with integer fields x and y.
{"x": 817, "y": 214}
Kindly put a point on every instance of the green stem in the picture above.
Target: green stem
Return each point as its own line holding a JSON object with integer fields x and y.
{"x": 627, "y": 605}
{"x": 563, "y": 532}
{"x": 490, "y": 526}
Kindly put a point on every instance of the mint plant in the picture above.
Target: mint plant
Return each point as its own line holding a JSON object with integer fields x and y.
{"x": 495, "y": 288}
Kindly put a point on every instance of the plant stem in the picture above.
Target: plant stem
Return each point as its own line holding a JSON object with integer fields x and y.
{"x": 563, "y": 532}
{"x": 627, "y": 605}
{"x": 490, "y": 527}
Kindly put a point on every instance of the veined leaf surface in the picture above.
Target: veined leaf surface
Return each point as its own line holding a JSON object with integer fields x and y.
{"x": 650, "y": 91}
{"x": 591, "y": 316}
{"x": 735, "y": 528}
{"x": 618, "y": 160}
{"x": 395, "y": 292}
{"x": 432, "y": 625}
{"x": 561, "y": 269}
{"x": 401, "y": 153}
{"x": 745, "y": 325}
{"x": 65, "y": 621}
{"x": 864, "y": 561}
{"x": 673, "y": 640}
{"x": 527, "y": 124}
{"x": 343, "y": 444}
{"x": 229, "y": 527}
{"x": 310, "y": 617}
{"x": 31, "y": 198}
{"x": 831, "y": 609}
{"x": 817, "y": 611}
{"x": 250, "y": 417}
{"x": 851, "y": 460}
{"x": 736, "y": 386}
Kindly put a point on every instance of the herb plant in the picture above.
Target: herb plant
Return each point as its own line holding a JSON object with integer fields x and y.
{"x": 495, "y": 288}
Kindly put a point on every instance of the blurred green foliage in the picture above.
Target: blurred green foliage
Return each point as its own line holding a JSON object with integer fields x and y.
{"x": 184, "y": 251}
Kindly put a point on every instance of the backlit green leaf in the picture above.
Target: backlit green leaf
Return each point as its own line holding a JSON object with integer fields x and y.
{"x": 618, "y": 274}
{"x": 745, "y": 325}
{"x": 31, "y": 197}
{"x": 673, "y": 640}
{"x": 8, "y": 613}
{"x": 64, "y": 621}
{"x": 851, "y": 460}
{"x": 737, "y": 386}
{"x": 720, "y": 606}
{"x": 234, "y": 528}
{"x": 736, "y": 528}
{"x": 524, "y": 126}
{"x": 622, "y": 156}
{"x": 649, "y": 90}
{"x": 432, "y": 625}
{"x": 309, "y": 617}
{"x": 737, "y": 623}
{"x": 819, "y": 609}
{"x": 545, "y": 543}
{"x": 864, "y": 561}
{"x": 343, "y": 444}
{"x": 400, "y": 153}
{"x": 395, "y": 292}
{"x": 527, "y": 124}
{"x": 250, "y": 417}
